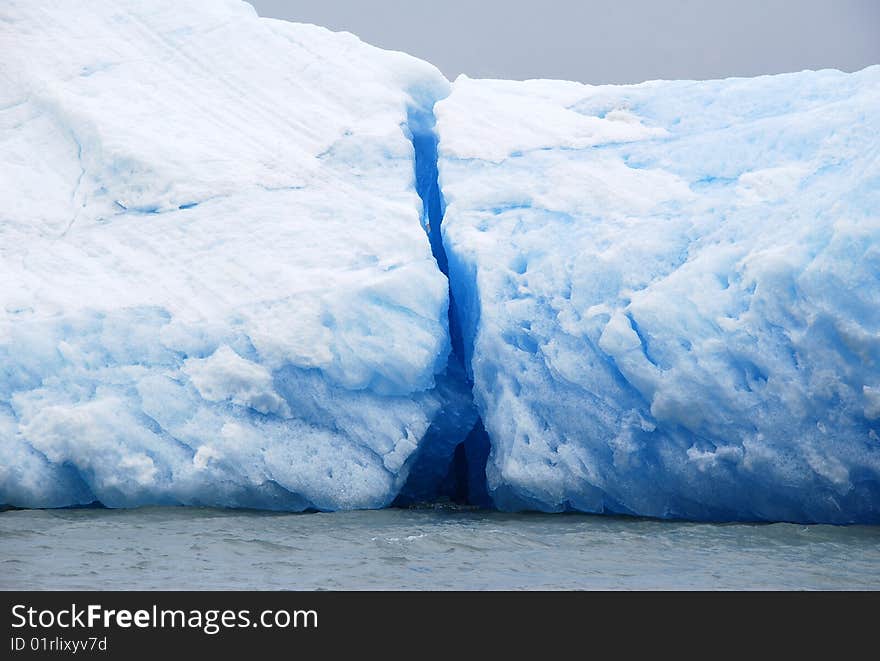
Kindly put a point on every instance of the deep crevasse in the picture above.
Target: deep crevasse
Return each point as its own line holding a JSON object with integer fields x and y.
{"x": 449, "y": 464}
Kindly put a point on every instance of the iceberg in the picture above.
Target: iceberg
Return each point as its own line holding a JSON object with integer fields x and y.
{"x": 253, "y": 263}
{"x": 215, "y": 286}
{"x": 669, "y": 293}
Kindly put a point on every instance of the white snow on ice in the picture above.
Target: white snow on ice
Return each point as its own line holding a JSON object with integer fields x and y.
{"x": 215, "y": 286}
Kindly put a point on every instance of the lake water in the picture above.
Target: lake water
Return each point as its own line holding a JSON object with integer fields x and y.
{"x": 440, "y": 548}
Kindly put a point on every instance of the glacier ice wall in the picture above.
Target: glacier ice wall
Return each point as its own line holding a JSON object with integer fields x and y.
{"x": 223, "y": 249}
{"x": 215, "y": 286}
{"x": 670, "y": 292}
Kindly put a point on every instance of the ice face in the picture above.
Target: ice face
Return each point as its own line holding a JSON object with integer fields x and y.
{"x": 222, "y": 258}
{"x": 215, "y": 285}
{"x": 670, "y": 292}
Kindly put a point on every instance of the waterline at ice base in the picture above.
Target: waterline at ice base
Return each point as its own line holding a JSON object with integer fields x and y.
{"x": 252, "y": 263}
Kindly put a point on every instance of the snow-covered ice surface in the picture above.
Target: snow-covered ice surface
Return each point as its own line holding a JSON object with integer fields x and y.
{"x": 214, "y": 284}
{"x": 670, "y": 292}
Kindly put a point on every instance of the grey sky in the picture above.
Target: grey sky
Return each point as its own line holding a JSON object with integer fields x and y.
{"x": 601, "y": 41}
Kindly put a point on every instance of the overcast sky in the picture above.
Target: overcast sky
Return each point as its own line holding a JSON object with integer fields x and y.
{"x": 602, "y": 41}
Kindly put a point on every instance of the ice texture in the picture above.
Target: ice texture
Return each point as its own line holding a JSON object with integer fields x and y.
{"x": 670, "y": 292}
{"x": 222, "y": 253}
{"x": 215, "y": 287}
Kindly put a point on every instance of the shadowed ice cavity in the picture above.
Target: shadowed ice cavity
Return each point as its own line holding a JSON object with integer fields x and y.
{"x": 445, "y": 467}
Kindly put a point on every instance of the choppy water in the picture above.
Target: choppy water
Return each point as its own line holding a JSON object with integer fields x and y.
{"x": 187, "y": 548}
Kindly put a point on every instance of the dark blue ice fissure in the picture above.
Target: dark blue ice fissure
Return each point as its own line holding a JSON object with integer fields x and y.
{"x": 421, "y": 124}
{"x": 445, "y": 468}
{"x": 424, "y": 141}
